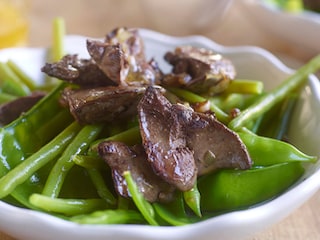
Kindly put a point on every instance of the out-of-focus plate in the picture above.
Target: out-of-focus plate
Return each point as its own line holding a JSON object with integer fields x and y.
{"x": 301, "y": 29}
{"x": 250, "y": 62}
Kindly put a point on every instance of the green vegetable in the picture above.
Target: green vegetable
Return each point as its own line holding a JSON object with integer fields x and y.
{"x": 174, "y": 213}
{"x": 229, "y": 190}
{"x": 130, "y": 137}
{"x": 6, "y": 97}
{"x": 11, "y": 83}
{"x": 93, "y": 166}
{"x": 61, "y": 168}
{"x": 67, "y": 207}
{"x": 268, "y": 151}
{"x": 144, "y": 206}
{"x": 117, "y": 216}
{"x": 279, "y": 116}
{"x": 103, "y": 191}
{"x": 88, "y": 161}
{"x": 26, "y": 135}
{"x": 29, "y": 166}
{"x": 267, "y": 101}
{"x": 59, "y": 31}
{"x": 192, "y": 199}
{"x": 24, "y": 78}
{"x": 194, "y": 98}
{"x": 245, "y": 87}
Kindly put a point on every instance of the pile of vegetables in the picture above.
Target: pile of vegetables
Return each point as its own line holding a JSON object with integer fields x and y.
{"x": 49, "y": 161}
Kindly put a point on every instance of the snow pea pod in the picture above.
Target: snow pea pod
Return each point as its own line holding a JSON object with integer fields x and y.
{"x": 28, "y": 134}
{"x": 229, "y": 190}
{"x": 267, "y": 151}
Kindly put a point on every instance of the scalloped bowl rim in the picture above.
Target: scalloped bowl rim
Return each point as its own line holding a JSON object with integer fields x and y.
{"x": 258, "y": 217}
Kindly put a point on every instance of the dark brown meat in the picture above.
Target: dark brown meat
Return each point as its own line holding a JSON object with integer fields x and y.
{"x": 199, "y": 70}
{"x": 164, "y": 141}
{"x": 83, "y": 72}
{"x": 121, "y": 57}
{"x": 110, "y": 59}
{"x": 129, "y": 39}
{"x": 181, "y": 144}
{"x": 214, "y": 146}
{"x": 122, "y": 158}
{"x": 13, "y": 109}
{"x": 104, "y": 104}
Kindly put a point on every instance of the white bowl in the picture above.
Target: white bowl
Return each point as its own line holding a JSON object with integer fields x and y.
{"x": 300, "y": 29}
{"x": 251, "y": 62}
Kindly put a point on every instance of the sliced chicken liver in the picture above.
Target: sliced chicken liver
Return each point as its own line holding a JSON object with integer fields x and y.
{"x": 182, "y": 144}
{"x": 122, "y": 158}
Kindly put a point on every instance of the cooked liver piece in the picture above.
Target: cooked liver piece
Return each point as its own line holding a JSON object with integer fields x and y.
{"x": 199, "y": 70}
{"x": 164, "y": 141}
{"x": 12, "y": 110}
{"x": 103, "y": 104}
{"x": 122, "y": 158}
{"x": 121, "y": 57}
{"x": 73, "y": 69}
{"x": 182, "y": 144}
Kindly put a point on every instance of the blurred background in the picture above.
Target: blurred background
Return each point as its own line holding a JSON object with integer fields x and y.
{"x": 226, "y": 22}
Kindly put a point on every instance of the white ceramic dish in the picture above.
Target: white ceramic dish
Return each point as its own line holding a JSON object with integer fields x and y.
{"x": 301, "y": 29}
{"x": 251, "y": 62}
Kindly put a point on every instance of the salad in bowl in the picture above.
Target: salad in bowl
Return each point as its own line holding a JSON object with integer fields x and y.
{"x": 140, "y": 135}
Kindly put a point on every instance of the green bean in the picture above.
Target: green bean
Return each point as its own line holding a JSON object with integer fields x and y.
{"x": 67, "y": 206}
{"x": 227, "y": 102}
{"x": 27, "y": 80}
{"x": 278, "y": 94}
{"x": 280, "y": 119}
{"x": 11, "y": 83}
{"x": 168, "y": 215}
{"x": 143, "y": 205}
{"x": 47, "y": 153}
{"x": 61, "y": 168}
{"x": 194, "y": 98}
{"x": 284, "y": 117}
{"x": 174, "y": 212}
{"x": 89, "y": 161}
{"x": 99, "y": 183}
{"x": 245, "y": 86}
{"x": 117, "y": 216}
{"x": 130, "y": 137}
{"x": 6, "y": 97}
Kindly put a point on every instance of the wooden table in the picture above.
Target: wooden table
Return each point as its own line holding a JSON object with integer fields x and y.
{"x": 96, "y": 17}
